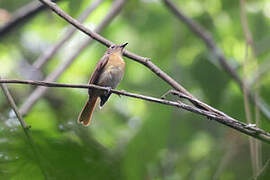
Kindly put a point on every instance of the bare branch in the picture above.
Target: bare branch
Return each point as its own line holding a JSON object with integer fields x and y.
{"x": 255, "y": 146}
{"x": 21, "y": 15}
{"x": 191, "y": 99}
{"x": 212, "y": 46}
{"x": 206, "y": 37}
{"x": 13, "y": 106}
{"x": 226, "y": 120}
{"x": 40, "y": 91}
{"x": 140, "y": 59}
{"x": 212, "y": 112}
{"x": 70, "y": 31}
{"x": 24, "y": 126}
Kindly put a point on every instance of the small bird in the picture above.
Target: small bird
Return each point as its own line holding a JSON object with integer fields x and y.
{"x": 109, "y": 72}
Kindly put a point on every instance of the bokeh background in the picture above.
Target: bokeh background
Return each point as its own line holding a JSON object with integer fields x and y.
{"x": 130, "y": 138}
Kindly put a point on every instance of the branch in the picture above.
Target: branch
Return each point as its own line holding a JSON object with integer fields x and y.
{"x": 211, "y": 113}
{"x": 40, "y": 91}
{"x": 202, "y": 33}
{"x": 255, "y": 146}
{"x": 143, "y": 60}
{"x": 226, "y": 120}
{"x": 13, "y": 106}
{"x": 70, "y": 31}
{"x": 21, "y": 15}
{"x": 206, "y": 37}
{"x": 24, "y": 126}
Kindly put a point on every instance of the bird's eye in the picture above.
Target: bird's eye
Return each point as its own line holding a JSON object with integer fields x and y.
{"x": 112, "y": 46}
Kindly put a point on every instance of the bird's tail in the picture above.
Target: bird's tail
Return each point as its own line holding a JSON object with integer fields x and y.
{"x": 87, "y": 111}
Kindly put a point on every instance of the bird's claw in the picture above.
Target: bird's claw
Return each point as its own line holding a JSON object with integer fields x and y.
{"x": 108, "y": 90}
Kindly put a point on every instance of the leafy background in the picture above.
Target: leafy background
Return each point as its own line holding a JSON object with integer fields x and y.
{"x": 130, "y": 138}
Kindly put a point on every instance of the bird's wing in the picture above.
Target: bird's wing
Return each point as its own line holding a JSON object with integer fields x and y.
{"x": 99, "y": 67}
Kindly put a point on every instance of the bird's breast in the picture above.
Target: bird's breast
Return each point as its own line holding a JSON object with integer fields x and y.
{"x": 113, "y": 72}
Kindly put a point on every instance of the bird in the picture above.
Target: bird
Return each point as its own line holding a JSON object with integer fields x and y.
{"x": 108, "y": 72}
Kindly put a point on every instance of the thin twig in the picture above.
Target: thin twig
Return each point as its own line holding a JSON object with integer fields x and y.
{"x": 181, "y": 95}
{"x": 226, "y": 120}
{"x": 190, "y": 99}
{"x": 21, "y": 15}
{"x": 13, "y": 106}
{"x": 202, "y": 33}
{"x": 255, "y": 146}
{"x": 51, "y": 51}
{"x": 40, "y": 91}
{"x": 212, "y": 112}
{"x": 206, "y": 37}
{"x": 25, "y": 127}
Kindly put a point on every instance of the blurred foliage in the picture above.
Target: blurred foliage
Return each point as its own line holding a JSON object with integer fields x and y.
{"x": 129, "y": 138}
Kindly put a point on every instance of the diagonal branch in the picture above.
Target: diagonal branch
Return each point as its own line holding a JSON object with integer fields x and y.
{"x": 14, "y": 107}
{"x": 21, "y": 15}
{"x": 48, "y": 54}
{"x": 212, "y": 112}
{"x": 24, "y": 126}
{"x": 143, "y": 60}
{"x": 226, "y": 120}
{"x": 40, "y": 91}
{"x": 206, "y": 37}
{"x": 202, "y": 33}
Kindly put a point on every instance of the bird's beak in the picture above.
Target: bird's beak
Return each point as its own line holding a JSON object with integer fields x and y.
{"x": 123, "y": 45}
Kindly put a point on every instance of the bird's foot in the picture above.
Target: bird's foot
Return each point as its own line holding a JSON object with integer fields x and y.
{"x": 108, "y": 90}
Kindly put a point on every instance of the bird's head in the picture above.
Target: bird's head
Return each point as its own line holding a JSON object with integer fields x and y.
{"x": 116, "y": 48}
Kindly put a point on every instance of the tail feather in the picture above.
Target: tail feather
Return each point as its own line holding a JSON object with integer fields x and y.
{"x": 87, "y": 111}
